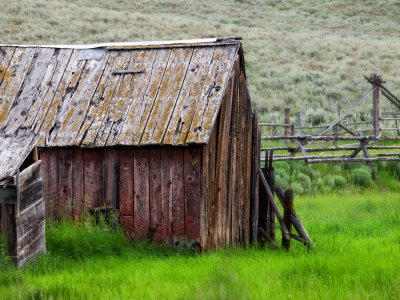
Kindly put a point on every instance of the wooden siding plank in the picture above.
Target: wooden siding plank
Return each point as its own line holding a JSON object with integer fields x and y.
{"x": 136, "y": 104}
{"x": 178, "y": 196}
{"x": 189, "y": 96}
{"x": 192, "y": 177}
{"x": 212, "y": 197}
{"x": 126, "y": 181}
{"x": 30, "y": 187}
{"x": 110, "y": 158}
{"x": 213, "y": 91}
{"x": 205, "y": 171}
{"x": 29, "y": 91}
{"x": 142, "y": 112}
{"x": 49, "y": 158}
{"x": 166, "y": 99}
{"x": 141, "y": 194}
{"x": 12, "y": 80}
{"x": 155, "y": 195}
{"x": 222, "y": 163}
{"x": 72, "y": 117}
{"x": 92, "y": 177}
{"x": 78, "y": 189}
{"x": 166, "y": 194}
{"x": 65, "y": 182}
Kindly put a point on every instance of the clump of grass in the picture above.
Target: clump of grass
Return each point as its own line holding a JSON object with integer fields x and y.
{"x": 84, "y": 239}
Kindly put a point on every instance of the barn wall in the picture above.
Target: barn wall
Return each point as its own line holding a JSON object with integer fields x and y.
{"x": 226, "y": 170}
{"x": 158, "y": 192}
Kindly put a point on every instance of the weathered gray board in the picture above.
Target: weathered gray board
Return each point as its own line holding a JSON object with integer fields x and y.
{"x": 24, "y": 218}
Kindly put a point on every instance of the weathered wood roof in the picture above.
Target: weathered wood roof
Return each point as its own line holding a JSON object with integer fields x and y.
{"x": 166, "y": 93}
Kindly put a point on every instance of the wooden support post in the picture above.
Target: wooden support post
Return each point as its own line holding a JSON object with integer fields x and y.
{"x": 256, "y": 144}
{"x": 287, "y": 121}
{"x": 365, "y": 151}
{"x": 295, "y": 220}
{"x": 377, "y": 106}
{"x": 270, "y": 211}
{"x": 288, "y": 208}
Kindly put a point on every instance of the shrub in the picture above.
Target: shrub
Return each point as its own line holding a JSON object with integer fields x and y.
{"x": 317, "y": 117}
{"x": 337, "y": 182}
{"x": 279, "y": 181}
{"x": 305, "y": 181}
{"x": 297, "y": 188}
{"x": 361, "y": 177}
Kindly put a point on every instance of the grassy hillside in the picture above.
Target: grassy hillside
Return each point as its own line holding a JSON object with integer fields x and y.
{"x": 305, "y": 54}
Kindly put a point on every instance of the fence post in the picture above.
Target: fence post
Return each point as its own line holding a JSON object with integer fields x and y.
{"x": 287, "y": 121}
{"x": 288, "y": 208}
{"x": 377, "y": 106}
{"x": 300, "y": 121}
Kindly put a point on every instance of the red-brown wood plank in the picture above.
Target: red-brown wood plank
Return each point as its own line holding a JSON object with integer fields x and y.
{"x": 127, "y": 225}
{"x": 110, "y": 157}
{"x": 77, "y": 183}
{"x": 178, "y": 196}
{"x": 141, "y": 193}
{"x": 126, "y": 180}
{"x": 92, "y": 177}
{"x": 155, "y": 195}
{"x": 192, "y": 169}
{"x": 50, "y": 181}
{"x": 65, "y": 182}
{"x": 166, "y": 194}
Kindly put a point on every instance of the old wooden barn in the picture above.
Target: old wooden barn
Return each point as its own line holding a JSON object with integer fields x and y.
{"x": 160, "y": 131}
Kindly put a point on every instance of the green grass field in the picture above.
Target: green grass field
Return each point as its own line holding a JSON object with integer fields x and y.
{"x": 358, "y": 257}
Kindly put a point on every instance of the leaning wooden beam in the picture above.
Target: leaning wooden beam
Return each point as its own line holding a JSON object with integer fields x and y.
{"x": 298, "y": 225}
{"x": 346, "y": 129}
{"x": 354, "y": 105}
{"x": 273, "y": 204}
{"x": 355, "y": 152}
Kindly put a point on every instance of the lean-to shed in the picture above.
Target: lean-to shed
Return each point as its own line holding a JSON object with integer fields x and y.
{"x": 161, "y": 131}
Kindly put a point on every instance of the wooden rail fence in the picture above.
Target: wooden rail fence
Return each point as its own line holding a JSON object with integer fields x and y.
{"x": 339, "y": 132}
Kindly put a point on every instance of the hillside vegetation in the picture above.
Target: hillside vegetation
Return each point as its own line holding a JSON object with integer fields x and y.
{"x": 304, "y": 54}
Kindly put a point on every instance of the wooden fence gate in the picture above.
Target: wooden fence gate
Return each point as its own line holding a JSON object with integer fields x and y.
{"x": 23, "y": 215}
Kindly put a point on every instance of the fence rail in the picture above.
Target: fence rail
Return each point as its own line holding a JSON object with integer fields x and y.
{"x": 340, "y": 130}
